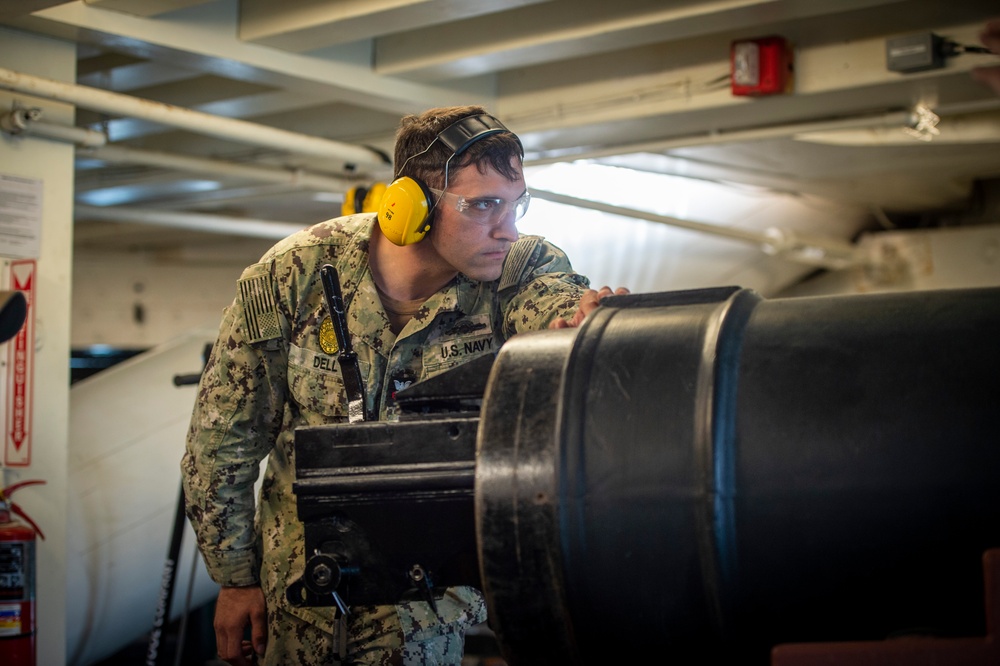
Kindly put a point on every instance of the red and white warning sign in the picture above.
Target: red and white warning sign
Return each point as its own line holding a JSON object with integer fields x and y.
{"x": 20, "y": 371}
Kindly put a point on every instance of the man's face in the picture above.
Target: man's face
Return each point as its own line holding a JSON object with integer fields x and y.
{"x": 475, "y": 249}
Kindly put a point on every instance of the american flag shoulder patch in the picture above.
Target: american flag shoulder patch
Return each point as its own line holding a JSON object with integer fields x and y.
{"x": 260, "y": 312}
{"x": 517, "y": 258}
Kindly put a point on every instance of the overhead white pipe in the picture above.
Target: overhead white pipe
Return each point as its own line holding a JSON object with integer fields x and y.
{"x": 242, "y": 196}
{"x": 81, "y": 136}
{"x": 218, "y": 224}
{"x": 28, "y": 121}
{"x": 188, "y": 119}
{"x": 265, "y": 174}
{"x": 815, "y": 251}
{"x": 23, "y": 120}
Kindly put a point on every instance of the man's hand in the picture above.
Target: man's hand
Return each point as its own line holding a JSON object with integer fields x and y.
{"x": 588, "y": 303}
{"x": 990, "y": 37}
{"x": 234, "y": 609}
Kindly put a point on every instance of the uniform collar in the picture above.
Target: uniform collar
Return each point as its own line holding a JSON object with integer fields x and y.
{"x": 352, "y": 266}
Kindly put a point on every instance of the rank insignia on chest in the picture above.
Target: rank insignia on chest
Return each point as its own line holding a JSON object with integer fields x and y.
{"x": 327, "y": 337}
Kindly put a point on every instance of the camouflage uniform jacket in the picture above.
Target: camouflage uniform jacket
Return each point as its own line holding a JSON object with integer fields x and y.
{"x": 269, "y": 374}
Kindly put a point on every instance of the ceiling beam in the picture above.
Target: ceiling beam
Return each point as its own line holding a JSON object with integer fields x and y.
{"x": 12, "y": 8}
{"x": 565, "y": 29}
{"x": 303, "y": 25}
{"x": 144, "y": 7}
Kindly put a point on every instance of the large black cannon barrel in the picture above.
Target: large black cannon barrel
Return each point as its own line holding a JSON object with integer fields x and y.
{"x": 709, "y": 473}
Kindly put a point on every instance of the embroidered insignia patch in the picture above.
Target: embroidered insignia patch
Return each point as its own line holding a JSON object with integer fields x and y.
{"x": 259, "y": 309}
{"x": 517, "y": 259}
{"x": 465, "y": 327}
{"x": 328, "y": 337}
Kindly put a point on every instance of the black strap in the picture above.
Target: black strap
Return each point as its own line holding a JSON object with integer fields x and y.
{"x": 466, "y": 131}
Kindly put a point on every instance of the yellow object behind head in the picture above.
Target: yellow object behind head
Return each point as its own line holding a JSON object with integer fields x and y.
{"x": 373, "y": 198}
{"x": 363, "y": 200}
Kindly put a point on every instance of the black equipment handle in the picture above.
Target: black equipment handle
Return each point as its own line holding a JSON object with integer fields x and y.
{"x": 347, "y": 358}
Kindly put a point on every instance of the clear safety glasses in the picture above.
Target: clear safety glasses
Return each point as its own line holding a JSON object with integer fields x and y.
{"x": 487, "y": 211}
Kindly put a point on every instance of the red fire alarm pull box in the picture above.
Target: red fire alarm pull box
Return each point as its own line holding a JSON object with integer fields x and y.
{"x": 761, "y": 66}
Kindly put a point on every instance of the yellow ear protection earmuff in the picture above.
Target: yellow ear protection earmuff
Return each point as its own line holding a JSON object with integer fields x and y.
{"x": 405, "y": 211}
{"x": 353, "y": 200}
{"x": 373, "y": 198}
{"x": 404, "y": 214}
{"x": 363, "y": 200}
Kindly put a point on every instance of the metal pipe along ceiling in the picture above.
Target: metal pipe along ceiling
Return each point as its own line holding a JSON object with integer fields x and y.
{"x": 218, "y": 224}
{"x": 188, "y": 119}
{"x": 94, "y": 144}
{"x": 266, "y": 174}
{"x": 23, "y": 120}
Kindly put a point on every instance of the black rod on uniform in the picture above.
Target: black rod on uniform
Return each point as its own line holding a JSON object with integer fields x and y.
{"x": 347, "y": 358}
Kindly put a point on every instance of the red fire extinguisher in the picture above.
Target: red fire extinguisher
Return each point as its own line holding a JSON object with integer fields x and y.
{"x": 17, "y": 581}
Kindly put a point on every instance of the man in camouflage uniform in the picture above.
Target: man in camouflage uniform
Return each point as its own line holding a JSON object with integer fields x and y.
{"x": 413, "y": 311}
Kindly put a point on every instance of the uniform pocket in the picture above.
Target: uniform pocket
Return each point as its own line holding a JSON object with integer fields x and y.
{"x": 316, "y": 385}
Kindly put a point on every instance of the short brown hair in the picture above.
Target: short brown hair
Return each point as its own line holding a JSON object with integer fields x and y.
{"x": 420, "y": 157}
